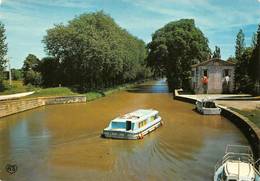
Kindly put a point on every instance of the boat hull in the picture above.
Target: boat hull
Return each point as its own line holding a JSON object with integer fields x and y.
{"x": 130, "y": 136}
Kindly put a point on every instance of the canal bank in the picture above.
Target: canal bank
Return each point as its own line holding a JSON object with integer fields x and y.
{"x": 248, "y": 128}
{"x": 15, "y": 105}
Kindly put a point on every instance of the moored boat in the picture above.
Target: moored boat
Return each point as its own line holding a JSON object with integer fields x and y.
{"x": 237, "y": 165}
{"x": 134, "y": 125}
{"x": 207, "y": 107}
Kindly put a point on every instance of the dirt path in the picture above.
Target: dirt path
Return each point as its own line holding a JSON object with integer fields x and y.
{"x": 13, "y": 96}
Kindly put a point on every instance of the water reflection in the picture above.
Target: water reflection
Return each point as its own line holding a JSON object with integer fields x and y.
{"x": 62, "y": 142}
{"x": 159, "y": 86}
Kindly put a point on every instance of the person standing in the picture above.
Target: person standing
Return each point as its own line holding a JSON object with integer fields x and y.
{"x": 205, "y": 81}
{"x": 226, "y": 84}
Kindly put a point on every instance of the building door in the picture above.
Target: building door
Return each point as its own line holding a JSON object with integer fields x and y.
{"x": 215, "y": 80}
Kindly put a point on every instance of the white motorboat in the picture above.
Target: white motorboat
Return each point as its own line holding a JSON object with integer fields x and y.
{"x": 237, "y": 165}
{"x": 207, "y": 107}
{"x": 134, "y": 125}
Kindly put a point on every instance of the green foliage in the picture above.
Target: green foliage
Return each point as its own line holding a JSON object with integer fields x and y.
{"x": 56, "y": 91}
{"x": 31, "y": 70}
{"x": 16, "y": 87}
{"x": 252, "y": 115}
{"x": 242, "y": 70}
{"x": 51, "y": 72}
{"x": 216, "y": 53}
{"x": 3, "y": 52}
{"x": 94, "y": 53}
{"x": 255, "y": 62}
{"x": 254, "y": 40}
{"x": 16, "y": 74}
{"x": 240, "y": 44}
{"x": 174, "y": 48}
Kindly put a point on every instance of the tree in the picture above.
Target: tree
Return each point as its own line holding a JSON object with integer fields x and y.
{"x": 94, "y": 52}
{"x": 31, "y": 70}
{"x": 216, "y": 53}
{"x": 255, "y": 63}
{"x": 174, "y": 48}
{"x": 240, "y": 44}
{"x": 242, "y": 71}
{"x": 51, "y": 72}
{"x": 3, "y": 53}
{"x": 254, "y": 40}
{"x": 16, "y": 74}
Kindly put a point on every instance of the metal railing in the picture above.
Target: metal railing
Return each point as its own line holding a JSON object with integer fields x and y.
{"x": 238, "y": 153}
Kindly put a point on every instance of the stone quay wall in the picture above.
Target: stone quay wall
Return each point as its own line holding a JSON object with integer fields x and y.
{"x": 10, "y": 107}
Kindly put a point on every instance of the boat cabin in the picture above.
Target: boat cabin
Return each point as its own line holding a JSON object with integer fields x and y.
{"x": 134, "y": 120}
{"x": 237, "y": 171}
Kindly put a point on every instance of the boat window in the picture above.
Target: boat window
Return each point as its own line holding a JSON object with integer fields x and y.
{"x": 210, "y": 105}
{"x": 144, "y": 122}
{"x": 128, "y": 125}
{"x": 152, "y": 118}
{"x": 118, "y": 125}
{"x": 140, "y": 124}
{"x": 156, "y": 116}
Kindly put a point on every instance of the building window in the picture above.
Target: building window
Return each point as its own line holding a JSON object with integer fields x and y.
{"x": 226, "y": 73}
{"x": 205, "y": 72}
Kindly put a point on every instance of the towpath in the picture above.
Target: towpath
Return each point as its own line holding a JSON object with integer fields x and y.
{"x": 14, "y": 96}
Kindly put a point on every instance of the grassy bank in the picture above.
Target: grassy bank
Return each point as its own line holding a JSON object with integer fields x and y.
{"x": 55, "y": 91}
{"x": 18, "y": 87}
{"x": 252, "y": 115}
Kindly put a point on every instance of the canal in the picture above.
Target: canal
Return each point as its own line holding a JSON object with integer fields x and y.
{"x": 62, "y": 142}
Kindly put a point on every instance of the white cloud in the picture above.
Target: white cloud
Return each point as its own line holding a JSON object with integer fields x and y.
{"x": 208, "y": 15}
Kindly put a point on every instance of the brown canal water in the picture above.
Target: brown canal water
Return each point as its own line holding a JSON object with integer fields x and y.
{"x": 62, "y": 142}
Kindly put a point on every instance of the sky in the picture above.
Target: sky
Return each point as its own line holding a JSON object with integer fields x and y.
{"x": 26, "y": 21}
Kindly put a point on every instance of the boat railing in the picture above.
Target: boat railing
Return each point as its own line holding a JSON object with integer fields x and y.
{"x": 238, "y": 149}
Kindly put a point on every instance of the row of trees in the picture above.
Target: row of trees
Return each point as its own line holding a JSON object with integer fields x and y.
{"x": 90, "y": 52}
{"x": 247, "y": 72}
{"x": 3, "y": 52}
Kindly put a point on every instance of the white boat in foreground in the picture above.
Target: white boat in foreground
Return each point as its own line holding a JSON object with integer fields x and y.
{"x": 207, "y": 107}
{"x": 134, "y": 125}
{"x": 237, "y": 165}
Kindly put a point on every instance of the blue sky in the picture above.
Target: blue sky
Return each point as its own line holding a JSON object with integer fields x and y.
{"x": 26, "y": 21}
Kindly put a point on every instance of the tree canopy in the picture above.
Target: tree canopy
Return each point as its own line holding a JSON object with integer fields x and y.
{"x": 255, "y": 62}
{"x": 31, "y": 70}
{"x": 174, "y": 48}
{"x": 216, "y": 53}
{"x": 93, "y": 52}
{"x": 240, "y": 44}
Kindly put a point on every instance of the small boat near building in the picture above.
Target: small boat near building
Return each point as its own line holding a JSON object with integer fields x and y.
{"x": 207, "y": 107}
{"x": 134, "y": 125}
{"x": 237, "y": 165}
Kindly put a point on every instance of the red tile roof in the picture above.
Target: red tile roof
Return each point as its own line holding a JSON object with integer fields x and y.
{"x": 223, "y": 62}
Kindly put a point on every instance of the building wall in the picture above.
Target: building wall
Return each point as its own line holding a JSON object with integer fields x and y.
{"x": 215, "y": 78}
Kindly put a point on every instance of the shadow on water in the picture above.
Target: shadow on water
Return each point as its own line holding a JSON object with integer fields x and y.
{"x": 159, "y": 86}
